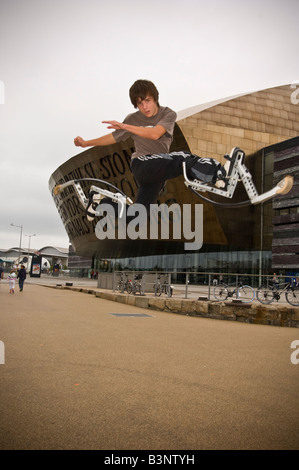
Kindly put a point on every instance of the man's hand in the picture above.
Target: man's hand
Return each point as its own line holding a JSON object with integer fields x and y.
{"x": 79, "y": 142}
{"x": 100, "y": 141}
{"x": 114, "y": 125}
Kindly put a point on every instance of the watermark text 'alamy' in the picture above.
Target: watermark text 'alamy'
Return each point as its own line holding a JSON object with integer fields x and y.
{"x": 162, "y": 223}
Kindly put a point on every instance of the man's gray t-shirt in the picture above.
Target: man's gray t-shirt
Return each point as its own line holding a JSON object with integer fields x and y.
{"x": 165, "y": 117}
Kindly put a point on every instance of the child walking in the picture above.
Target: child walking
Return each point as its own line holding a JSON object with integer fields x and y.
{"x": 12, "y": 281}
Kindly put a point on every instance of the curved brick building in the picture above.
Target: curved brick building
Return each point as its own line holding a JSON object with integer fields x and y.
{"x": 265, "y": 124}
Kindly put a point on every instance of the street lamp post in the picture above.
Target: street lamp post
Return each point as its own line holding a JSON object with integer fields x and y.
{"x": 29, "y": 236}
{"x": 20, "y": 227}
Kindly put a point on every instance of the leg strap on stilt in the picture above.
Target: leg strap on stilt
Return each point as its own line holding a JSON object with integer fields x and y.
{"x": 97, "y": 194}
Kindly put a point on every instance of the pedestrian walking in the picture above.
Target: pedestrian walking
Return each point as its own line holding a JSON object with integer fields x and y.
{"x": 21, "y": 277}
{"x": 12, "y": 281}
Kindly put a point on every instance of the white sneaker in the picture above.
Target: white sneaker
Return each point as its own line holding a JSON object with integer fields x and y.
{"x": 227, "y": 168}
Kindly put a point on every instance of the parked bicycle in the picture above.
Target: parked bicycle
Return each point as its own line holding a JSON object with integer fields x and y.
{"x": 244, "y": 293}
{"x": 163, "y": 287}
{"x": 266, "y": 294}
{"x": 137, "y": 284}
{"x": 124, "y": 284}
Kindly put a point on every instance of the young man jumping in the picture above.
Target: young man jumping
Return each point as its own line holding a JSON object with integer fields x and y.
{"x": 151, "y": 128}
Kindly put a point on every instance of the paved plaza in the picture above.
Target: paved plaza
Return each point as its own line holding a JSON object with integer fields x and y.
{"x": 82, "y": 372}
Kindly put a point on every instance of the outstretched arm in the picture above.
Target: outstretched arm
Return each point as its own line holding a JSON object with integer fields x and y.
{"x": 100, "y": 141}
{"x": 153, "y": 133}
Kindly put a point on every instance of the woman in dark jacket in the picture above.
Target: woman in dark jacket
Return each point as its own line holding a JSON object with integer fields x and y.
{"x": 22, "y": 277}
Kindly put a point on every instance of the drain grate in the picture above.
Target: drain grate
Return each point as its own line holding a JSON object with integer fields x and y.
{"x": 130, "y": 315}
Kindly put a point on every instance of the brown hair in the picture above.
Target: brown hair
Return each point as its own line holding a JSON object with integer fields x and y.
{"x": 141, "y": 89}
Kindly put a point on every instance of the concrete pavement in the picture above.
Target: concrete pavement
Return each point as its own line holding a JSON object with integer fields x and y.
{"x": 82, "y": 372}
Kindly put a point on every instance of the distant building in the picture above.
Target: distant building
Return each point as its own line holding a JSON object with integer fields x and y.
{"x": 50, "y": 256}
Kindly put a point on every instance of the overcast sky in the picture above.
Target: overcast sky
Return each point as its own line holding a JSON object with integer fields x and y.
{"x": 67, "y": 65}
